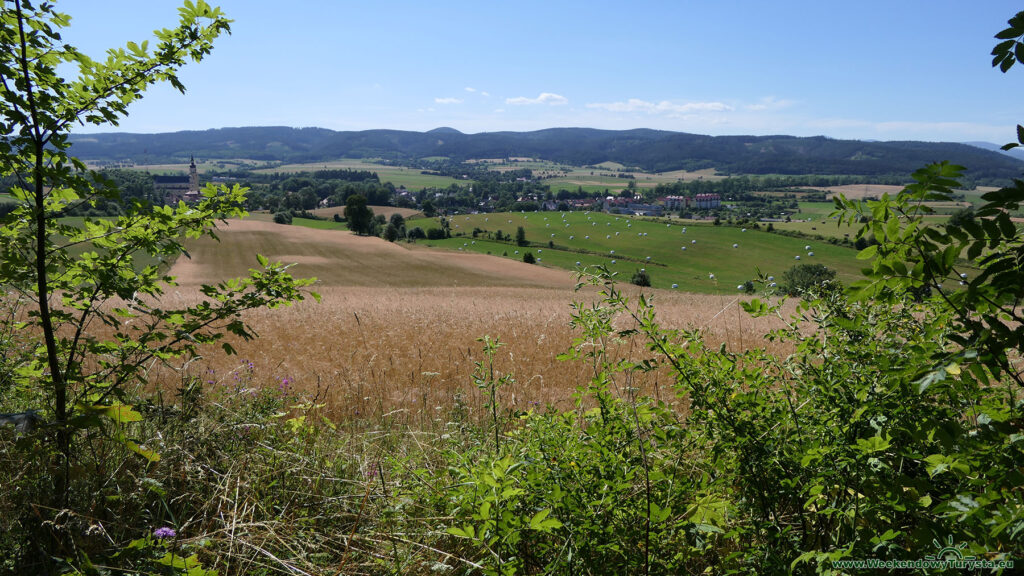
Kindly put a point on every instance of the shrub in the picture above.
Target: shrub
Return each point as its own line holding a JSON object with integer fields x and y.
{"x": 804, "y": 278}
{"x": 283, "y": 217}
{"x": 641, "y": 278}
{"x": 529, "y": 259}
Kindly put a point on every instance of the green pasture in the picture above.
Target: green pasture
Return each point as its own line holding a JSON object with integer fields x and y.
{"x": 304, "y": 222}
{"x": 319, "y": 224}
{"x": 592, "y": 180}
{"x": 813, "y": 219}
{"x": 708, "y": 249}
{"x": 411, "y": 178}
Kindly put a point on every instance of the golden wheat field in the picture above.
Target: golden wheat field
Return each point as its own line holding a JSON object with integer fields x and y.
{"x": 396, "y": 331}
{"x": 385, "y": 211}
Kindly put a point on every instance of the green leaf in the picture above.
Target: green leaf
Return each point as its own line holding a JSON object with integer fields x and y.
{"x": 937, "y": 464}
{"x": 1004, "y": 46}
{"x": 542, "y": 523}
{"x": 146, "y": 453}
{"x": 467, "y": 532}
{"x": 122, "y": 413}
{"x": 873, "y": 444}
{"x": 1008, "y": 33}
{"x": 868, "y": 253}
{"x": 1006, "y": 226}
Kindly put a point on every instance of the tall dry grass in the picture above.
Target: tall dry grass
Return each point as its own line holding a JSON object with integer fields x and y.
{"x": 410, "y": 352}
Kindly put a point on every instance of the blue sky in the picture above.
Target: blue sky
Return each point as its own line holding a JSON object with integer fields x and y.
{"x": 881, "y": 70}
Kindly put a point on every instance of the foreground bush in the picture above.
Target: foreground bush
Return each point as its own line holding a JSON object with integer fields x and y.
{"x": 851, "y": 448}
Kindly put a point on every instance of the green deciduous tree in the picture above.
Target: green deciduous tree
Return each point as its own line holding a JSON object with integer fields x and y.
{"x": 97, "y": 318}
{"x": 803, "y": 278}
{"x": 358, "y": 215}
{"x": 429, "y": 210}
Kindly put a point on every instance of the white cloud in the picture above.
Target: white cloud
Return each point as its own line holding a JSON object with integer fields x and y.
{"x": 469, "y": 89}
{"x": 664, "y": 107}
{"x": 769, "y": 103}
{"x": 447, "y": 101}
{"x": 544, "y": 98}
{"x": 487, "y": 94}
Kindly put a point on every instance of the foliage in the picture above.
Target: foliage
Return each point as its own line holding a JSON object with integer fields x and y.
{"x": 529, "y": 258}
{"x": 428, "y": 209}
{"x": 804, "y": 278}
{"x": 96, "y": 321}
{"x": 641, "y": 278}
{"x": 957, "y": 220}
{"x": 358, "y": 215}
{"x": 283, "y": 217}
{"x": 416, "y": 233}
{"x": 1011, "y": 49}
{"x": 521, "y": 237}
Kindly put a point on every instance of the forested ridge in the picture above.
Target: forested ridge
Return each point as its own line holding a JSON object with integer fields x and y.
{"x": 650, "y": 150}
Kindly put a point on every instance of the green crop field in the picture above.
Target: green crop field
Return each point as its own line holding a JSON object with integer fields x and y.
{"x": 694, "y": 257}
{"x": 411, "y": 178}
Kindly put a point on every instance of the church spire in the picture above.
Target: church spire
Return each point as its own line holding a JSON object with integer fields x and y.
{"x": 193, "y": 175}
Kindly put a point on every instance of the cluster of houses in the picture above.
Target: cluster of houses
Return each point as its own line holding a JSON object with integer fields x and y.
{"x": 186, "y": 188}
{"x": 663, "y": 204}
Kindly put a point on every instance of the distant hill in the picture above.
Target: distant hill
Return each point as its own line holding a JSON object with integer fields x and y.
{"x": 1017, "y": 153}
{"x": 651, "y": 150}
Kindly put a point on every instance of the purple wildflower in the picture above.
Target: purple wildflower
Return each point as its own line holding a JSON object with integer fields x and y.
{"x": 164, "y": 532}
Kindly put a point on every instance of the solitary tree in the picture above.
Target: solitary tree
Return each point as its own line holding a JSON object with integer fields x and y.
{"x": 802, "y": 278}
{"x": 521, "y": 236}
{"x": 641, "y": 278}
{"x": 358, "y": 215}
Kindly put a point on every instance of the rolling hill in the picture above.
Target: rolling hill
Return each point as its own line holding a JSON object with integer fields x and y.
{"x": 649, "y": 150}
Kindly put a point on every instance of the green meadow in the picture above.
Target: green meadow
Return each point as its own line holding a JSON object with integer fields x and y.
{"x": 410, "y": 178}
{"x": 693, "y": 257}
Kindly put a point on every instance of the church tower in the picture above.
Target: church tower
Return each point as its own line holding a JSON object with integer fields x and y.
{"x": 193, "y": 176}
